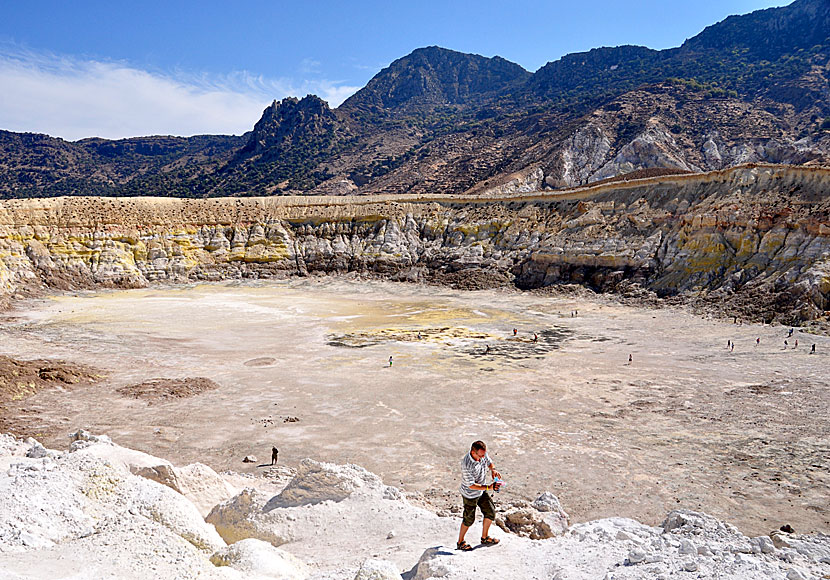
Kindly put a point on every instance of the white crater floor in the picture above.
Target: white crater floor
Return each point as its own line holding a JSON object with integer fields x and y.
{"x": 742, "y": 434}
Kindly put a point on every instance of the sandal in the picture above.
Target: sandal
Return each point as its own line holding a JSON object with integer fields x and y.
{"x": 489, "y": 541}
{"x": 463, "y": 546}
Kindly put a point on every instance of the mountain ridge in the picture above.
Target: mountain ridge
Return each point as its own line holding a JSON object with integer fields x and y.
{"x": 446, "y": 121}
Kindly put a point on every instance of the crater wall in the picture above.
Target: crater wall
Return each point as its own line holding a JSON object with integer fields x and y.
{"x": 754, "y": 239}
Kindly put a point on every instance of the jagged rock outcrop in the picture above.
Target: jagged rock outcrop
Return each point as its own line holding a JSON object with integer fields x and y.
{"x": 754, "y": 239}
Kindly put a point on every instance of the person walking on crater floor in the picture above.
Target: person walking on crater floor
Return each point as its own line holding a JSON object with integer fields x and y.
{"x": 390, "y": 361}
{"x": 274, "y": 455}
{"x": 474, "y": 466}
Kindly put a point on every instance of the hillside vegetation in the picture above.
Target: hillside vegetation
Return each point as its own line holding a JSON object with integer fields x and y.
{"x": 752, "y": 88}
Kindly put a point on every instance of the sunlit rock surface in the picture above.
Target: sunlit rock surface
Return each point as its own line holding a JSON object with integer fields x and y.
{"x": 754, "y": 239}
{"x": 76, "y": 514}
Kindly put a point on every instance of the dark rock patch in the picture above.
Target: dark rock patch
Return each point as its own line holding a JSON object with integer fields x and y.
{"x": 160, "y": 390}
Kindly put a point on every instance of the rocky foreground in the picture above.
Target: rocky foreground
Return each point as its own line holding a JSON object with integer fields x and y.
{"x": 101, "y": 510}
{"x": 752, "y": 241}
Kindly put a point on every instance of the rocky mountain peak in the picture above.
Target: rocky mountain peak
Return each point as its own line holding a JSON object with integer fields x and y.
{"x": 769, "y": 33}
{"x": 434, "y": 76}
{"x": 291, "y": 120}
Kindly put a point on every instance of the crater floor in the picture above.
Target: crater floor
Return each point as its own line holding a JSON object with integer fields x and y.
{"x": 304, "y": 365}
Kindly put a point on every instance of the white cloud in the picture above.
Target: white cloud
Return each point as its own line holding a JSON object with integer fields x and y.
{"x": 73, "y": 98}
{"x": 309, "y": 65}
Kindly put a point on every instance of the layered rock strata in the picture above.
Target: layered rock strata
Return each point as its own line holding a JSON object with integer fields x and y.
{"x": 756, "y": 235}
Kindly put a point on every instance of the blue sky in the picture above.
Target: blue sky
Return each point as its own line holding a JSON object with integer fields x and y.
{"x": 118, "y": 69}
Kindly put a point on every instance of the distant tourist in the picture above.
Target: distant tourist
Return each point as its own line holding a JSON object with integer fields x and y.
{"x": 515, "y": 332}
{"x": 274, "y": 455}
{"x": 535, "y": 337}
{"x": 474, "y": 490}
{"x": 630, "y": 359}
{"x": 757, "y": 341}
{"x": 813, "y": 349}
{"x": 390, "y": 361}
{"x": 487, "y": 350}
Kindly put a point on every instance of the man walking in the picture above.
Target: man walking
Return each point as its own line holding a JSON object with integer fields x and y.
{"x": 474, "y": 493}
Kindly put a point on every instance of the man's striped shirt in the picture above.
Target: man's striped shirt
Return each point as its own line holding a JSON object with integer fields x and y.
{"x": 473, "y": 472}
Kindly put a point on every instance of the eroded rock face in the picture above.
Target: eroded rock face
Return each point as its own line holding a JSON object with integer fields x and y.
{"x": 654, "y": 147}
{"x": 46, "y": 501}
{"x": 754, "y": 240}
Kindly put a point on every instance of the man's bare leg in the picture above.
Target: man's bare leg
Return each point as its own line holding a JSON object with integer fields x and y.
{"x": 462, "y": 533}
{"x": 485, "y": 527}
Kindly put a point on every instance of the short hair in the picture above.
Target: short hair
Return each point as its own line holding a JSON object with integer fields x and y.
{"x": 478, "y": 446}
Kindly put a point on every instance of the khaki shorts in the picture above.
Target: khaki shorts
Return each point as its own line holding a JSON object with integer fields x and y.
{"x": 484, "y": 502}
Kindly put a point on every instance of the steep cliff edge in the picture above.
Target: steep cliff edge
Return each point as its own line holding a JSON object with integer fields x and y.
{"x": 753, "y": 239}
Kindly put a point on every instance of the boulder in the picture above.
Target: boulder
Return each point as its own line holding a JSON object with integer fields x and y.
{"x": 374, "y": 569}
{"x": 242, "y": 517}
{"x": 36, "y": 450}
{"x": 170, "y": 509}
{"x": 136, "y": 462}
{"x": 333, "y": 515}
{"x": 636, "y": 556}
{"x": 553, "y": 513}
{"x": 762, "y": 545}
{"x": 255, "y": 557}
{"x": 520, "y": 518}
{"x": 317, "y": 482}
{"x": 203, "y": 486}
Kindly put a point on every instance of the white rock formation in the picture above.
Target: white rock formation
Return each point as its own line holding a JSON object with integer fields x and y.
{"x": 258, "y": 558}
{"x": 654, "y": 147}
{"x": 374, "y": 569}
{"x": 583, "y": 154}
{"x": 332, "y": 509}
{"x": 83, "y": 514}
{"x": 203, "y": 486}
